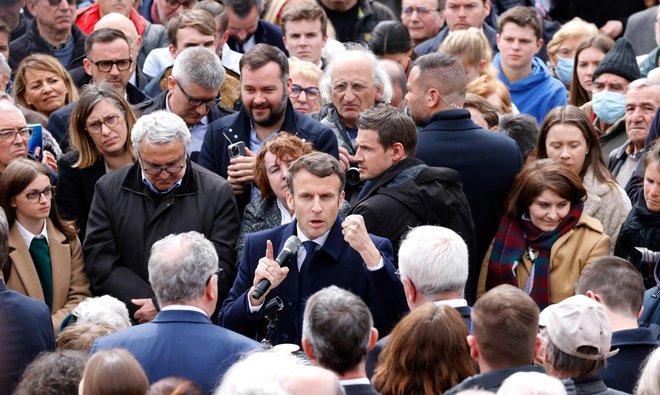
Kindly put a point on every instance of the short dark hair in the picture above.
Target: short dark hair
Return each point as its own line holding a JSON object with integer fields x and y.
{"x": 199, "y": 19}
{"x": 392, "y": 125}
{"x": 337, "y": 324}
{"x": 523, "y": 17}
{"x": 262, "y": 54}
{"x": 242, "y": 8}
{"x": 618, "y": 283}
{"x": 443, "y": 73}
{"x": 540, "y": 176}
{"x": 523, "y": 129}
{"x": 318, "y": 163}
{"x": 390, "y": 37}
{"x": 105, "y": 35}
{"x": 305, "y": 11}
{"x": 484, "y": 107}
{"x": 505, "y": 322}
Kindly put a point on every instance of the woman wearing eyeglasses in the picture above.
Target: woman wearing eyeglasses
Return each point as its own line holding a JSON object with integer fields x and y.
{"x": 43, "y": 84}
{"x": 100, "y": 135}
{"x": 304, "y": 90}
{"x": 45, "y": 256}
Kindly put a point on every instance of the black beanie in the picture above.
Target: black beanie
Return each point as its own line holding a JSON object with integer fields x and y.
{"x": 619, "y": 61}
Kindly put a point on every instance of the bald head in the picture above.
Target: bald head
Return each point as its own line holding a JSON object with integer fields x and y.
{"x": 120, "y": 22}
{"x": 312, "y": 380}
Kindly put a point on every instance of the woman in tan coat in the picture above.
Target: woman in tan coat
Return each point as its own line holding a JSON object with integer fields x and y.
{"x": 544, "y": 241}
{"x": 45, "y": 257}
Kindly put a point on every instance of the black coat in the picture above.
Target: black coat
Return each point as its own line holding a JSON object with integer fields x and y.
{"x": 75, "y": 189}
{"x": 32, "y": 42}
{"x": 266, "y": 33}
{"x": 419, "y": 195}
{"x": 125, "y": 221}
{"x": 640, "y": 229}
{"x": 487, "y": 162}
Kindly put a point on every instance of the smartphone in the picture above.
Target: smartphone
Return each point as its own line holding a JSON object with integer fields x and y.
{"x": 36, "y": 141}
{"x": 237, "y": 149}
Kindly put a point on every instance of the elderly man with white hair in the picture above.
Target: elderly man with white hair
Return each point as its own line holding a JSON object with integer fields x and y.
{"x": 162, "y": 193}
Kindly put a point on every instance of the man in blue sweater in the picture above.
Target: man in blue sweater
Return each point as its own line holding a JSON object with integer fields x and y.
{"x": 533, "y": 90}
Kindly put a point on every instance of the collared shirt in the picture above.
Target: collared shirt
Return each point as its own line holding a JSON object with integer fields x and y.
{"x": 302, "y": 252}
{"x": 231, "y": 59}
{"x": 455, "y": 303}
{"x": 197, "y": 131}
{"x": 255, "y": 146}
{"x": 154, "y": 189}
{"x": 183, "y": 307}
{"x": 358, "y": 381}
{"x": 284, "y": 213}
{"x": 28, "y": 236}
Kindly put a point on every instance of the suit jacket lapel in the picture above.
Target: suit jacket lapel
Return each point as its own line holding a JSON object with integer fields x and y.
{"x": 24, "y": 277}
{"x": 60, "y": 261}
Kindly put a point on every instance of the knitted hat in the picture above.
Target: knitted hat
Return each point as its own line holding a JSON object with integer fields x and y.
{"x": 619, "y": 61}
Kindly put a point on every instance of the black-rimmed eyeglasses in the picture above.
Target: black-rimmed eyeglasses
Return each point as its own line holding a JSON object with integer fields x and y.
{"x": 105, "y": 66}
{"x": 311, "y": 92}
{"x": 10, "y": 135}
{"x": 195, "y": 102}
{"x": 153, "y": 171}
{"x": 35, "y": 196}
{"x": 110, "y": 121}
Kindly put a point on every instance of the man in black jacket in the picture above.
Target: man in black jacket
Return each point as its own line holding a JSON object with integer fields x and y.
{"x": 162, "y": 193}
{"x": 50, "y": 32}
{"x": 397, "y": 182}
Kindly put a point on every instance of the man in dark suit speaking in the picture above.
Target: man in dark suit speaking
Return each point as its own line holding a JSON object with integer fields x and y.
{"x": 182, "y": 341}
{"x": 335, "y": 252}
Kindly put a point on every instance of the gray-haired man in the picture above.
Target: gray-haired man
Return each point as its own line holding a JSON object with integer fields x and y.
{"x": 162, "y": 193}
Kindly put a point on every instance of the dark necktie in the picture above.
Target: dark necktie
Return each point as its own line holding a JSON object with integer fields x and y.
{"x": 310, "y": 246}
{"x": 41, "y": 258}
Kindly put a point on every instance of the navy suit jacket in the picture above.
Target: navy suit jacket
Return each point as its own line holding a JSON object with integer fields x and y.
{"x": 181, "y": 343}
{"x": 26, "y": 329}
{"x": 488, "y": 163}
{"x": 266, "y": 33}
{"x": 336, "y": 263}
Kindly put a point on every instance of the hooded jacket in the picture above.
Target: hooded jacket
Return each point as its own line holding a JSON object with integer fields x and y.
{"x": 538, "y": 93}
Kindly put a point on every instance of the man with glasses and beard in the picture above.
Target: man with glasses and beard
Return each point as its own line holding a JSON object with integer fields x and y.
{"x": 162, "y": 193}
{"x": 266, "y": 111}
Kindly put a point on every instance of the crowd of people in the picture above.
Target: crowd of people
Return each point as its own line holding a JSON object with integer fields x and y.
{"x": 297, "y": 197}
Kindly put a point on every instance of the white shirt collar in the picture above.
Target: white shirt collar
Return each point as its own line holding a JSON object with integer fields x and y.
{"x": 183, "y": 307}
{"x": 358, "y": 381}
{"x": 284, "y": 213}
{"x": 319, "y": 240}
{"x": 28, "y": 236}
{"x": 452, "y": 303}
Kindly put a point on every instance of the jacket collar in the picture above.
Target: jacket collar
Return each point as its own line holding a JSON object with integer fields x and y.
{"x": 391, "y": 173}
{"x": 242, "y": 127}
{"x": 451, "y": 120}
{"x": 133, "y": 181}
{"x": 181, "y": 316}
{"x": 333, "y": 246}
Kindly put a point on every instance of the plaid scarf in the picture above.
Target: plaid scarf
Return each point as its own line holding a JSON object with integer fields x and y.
{"x": 514, "y": 236}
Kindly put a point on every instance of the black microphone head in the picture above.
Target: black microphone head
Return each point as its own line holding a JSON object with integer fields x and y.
{"x": 292, "y": 244}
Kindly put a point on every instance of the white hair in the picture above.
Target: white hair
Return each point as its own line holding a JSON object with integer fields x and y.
{"x": 102, "y": 310}
{"x": 160, "y": 127}
{"x": 435, "y": 259}
{"x": 381, "y": 80}
{"x": 199, "y": 65}
{"x": 531, "y": 383}
{"x": 649, "y": 381}
{"x": 258, "y": 373}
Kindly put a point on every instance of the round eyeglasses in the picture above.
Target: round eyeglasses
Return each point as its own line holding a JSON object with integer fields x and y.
{"x": 35, "y": 196}
{"x": 311, "y": 92}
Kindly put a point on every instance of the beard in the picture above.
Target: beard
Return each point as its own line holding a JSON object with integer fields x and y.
{"x": 276, "y": 113}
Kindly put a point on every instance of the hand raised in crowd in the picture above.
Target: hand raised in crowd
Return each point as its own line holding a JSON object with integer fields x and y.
{"x": 345, "y": 158}
{"x": 269, "y": 269}
{"x": 355, "y": 234}
{"x": 241, "y": 171}
{"x": 48, "y": 159}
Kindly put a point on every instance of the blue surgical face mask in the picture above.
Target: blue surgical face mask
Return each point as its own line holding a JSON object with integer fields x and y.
{"x": 564, "y": 70}
{"x": 609, "y": 106}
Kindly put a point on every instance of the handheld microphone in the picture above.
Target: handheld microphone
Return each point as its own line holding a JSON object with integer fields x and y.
{"x": 291, "y": 246}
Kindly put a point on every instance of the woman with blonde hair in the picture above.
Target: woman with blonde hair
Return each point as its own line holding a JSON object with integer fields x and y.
{"x": 562, "y": 47}
{"x": 304, "y": 90}
{"x": 471, "y": 47}
{"x": 649, "y": 380}
{"x": 100, "y": 131}
{"x": 42, "y": 84}
{"x": 427, "y": 353}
